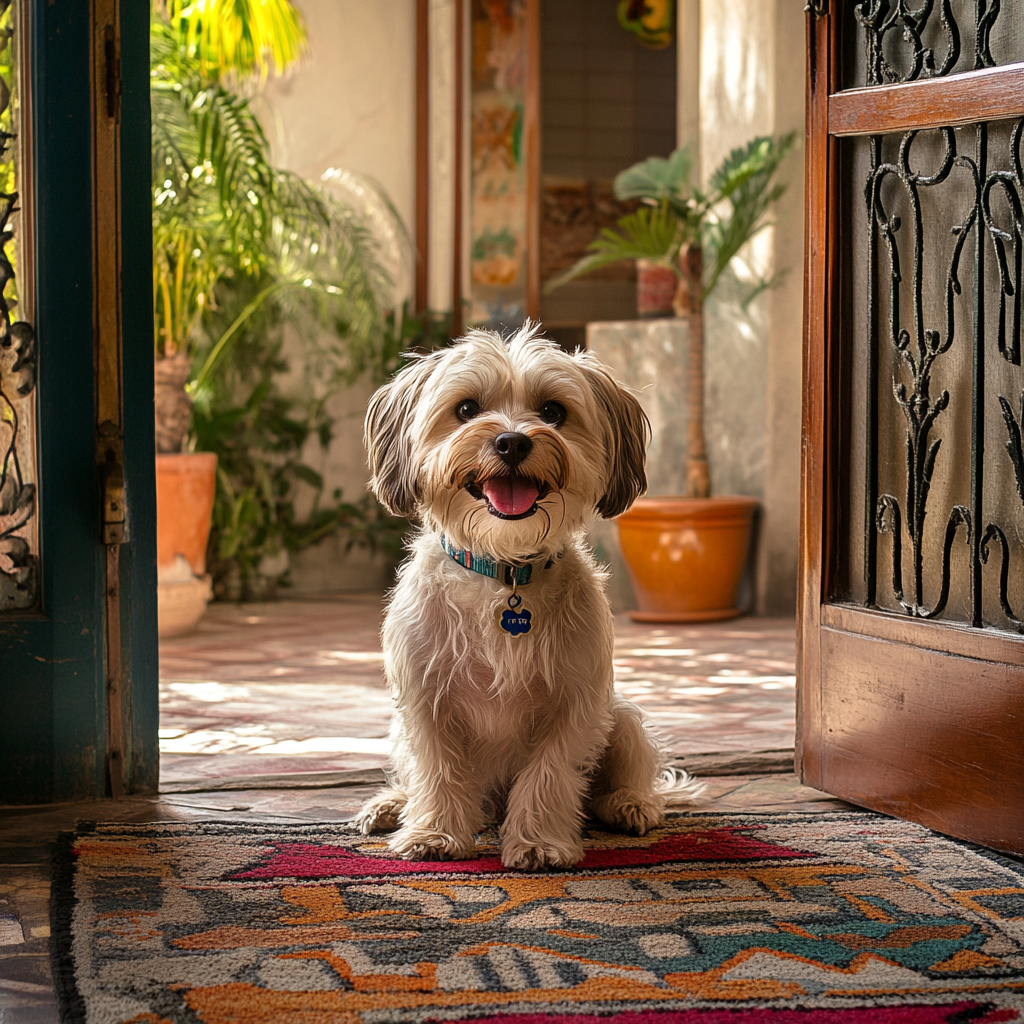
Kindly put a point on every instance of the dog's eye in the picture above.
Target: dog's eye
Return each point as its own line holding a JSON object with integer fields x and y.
{"x": 553, "y": 412}
{"x": 467, "y": 409}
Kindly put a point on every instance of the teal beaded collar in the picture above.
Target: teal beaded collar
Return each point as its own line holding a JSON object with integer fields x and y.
{"x": 504, "y": 572}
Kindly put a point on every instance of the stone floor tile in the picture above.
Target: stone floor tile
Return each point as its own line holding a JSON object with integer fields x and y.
{"x": 298, "y": 686}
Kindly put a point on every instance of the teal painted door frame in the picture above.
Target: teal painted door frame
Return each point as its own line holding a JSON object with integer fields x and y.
{"x": 53, "y": 701}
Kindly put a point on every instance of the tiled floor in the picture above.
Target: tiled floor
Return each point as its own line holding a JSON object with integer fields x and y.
{"x": 296, "y": 686}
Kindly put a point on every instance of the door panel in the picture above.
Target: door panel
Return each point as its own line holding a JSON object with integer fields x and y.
{"x": 53, "y": 657}
{"x": 911, "y": 694}
{"x": 901, "y": 741}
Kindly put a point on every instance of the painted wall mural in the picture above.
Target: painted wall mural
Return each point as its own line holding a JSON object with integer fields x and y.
{"x": 498, "y": 179}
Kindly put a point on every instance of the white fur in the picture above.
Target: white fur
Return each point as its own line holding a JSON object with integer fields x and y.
{"x": 525, "y": 730}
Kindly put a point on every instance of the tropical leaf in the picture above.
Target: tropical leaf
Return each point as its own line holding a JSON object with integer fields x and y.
{"x": 722, "y": 219}
{"x": 759, "y": 157}
{"x": 745, "y": 181}
{"x": 222, "y": 209}
{"x": 658, "y": 179}
{"x": 648, "y": 233}
{"x": 237, "y": 38}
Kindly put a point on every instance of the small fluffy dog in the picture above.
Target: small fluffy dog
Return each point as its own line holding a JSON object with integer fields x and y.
{"x": 498, "y": 636}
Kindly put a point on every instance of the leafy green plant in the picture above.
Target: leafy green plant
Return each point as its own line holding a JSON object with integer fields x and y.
{"x": 697, "y": 233}
{"x": 259, "y": 445}
{"x": 241, "y": 248}
{"x": 241, "y": 39}
{"x": 647, "y": 233}
{"x": 261, "y": 430}
{"x": 223, "y": 212}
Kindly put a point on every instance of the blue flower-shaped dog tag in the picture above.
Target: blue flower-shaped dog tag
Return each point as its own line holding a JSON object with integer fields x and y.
{"x": 515, "y": 619}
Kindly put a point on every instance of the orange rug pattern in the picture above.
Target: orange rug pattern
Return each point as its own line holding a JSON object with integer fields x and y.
{"x": 845, "y": 918}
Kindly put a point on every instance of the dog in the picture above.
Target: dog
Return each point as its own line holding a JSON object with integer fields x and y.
{"x": 498, "y": 635}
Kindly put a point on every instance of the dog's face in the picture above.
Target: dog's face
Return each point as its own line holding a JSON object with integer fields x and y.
{"x": 508, "y": 447}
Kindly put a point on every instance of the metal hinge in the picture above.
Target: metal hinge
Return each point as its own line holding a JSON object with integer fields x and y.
{"x": 110, "y": 460}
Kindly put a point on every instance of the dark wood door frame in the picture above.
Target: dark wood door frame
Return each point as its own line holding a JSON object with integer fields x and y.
{"x": 886, "y": 731}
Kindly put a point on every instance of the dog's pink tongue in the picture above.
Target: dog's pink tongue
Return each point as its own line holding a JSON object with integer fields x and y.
{"x": 511, "y": 496}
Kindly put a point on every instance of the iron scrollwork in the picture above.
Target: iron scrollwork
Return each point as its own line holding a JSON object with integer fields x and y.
{"x": 18, "y": 563}
{"x": 919, "y": 348}
{"x": 895, "y": 32}
{"x": 1015, "y": 449}
{"x": 917, "y": 351}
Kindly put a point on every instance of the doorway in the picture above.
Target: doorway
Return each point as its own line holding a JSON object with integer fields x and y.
{"x": 607, "y": 102}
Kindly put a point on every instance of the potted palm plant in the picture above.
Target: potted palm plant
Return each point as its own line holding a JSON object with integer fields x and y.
{"x": 686, "y": 553}
{"x": 226, "y": 222}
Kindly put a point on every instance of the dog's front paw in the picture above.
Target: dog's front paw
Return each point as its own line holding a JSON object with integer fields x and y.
{"x": 540, "y": 856}
{"x": 629, "y": 810}
{"x": 381, "y": 814}
{"x": 415, "y": 843}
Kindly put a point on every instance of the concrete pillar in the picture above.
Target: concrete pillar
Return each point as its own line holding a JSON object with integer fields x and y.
{"x": 780, "y": 533}
{"x": 751, "y": 83}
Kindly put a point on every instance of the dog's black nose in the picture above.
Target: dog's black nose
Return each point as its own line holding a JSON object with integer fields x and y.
{"x": 513, "y": 447}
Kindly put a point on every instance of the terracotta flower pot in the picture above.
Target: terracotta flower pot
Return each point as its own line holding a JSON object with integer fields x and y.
{"x": 185, "y": 487}
{"x": 686, "y": 555}
{"x": 655, "y": 289}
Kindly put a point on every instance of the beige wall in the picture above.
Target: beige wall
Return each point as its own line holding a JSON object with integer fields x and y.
{"x": 350, "y": 104}
{"x": 780, "y": 535}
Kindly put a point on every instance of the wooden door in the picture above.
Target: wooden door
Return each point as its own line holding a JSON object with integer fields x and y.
{"x": 911, "y": 685}
{"x": 78, "y": 645}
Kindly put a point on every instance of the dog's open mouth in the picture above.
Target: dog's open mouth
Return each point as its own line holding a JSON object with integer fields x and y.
{"x": 510, "y": 497}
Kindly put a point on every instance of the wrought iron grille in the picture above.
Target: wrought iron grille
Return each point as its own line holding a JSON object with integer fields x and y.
{"x": 19, "y": 563}
{"x": 933, "y": 381}
{"x": 907, "y": 40}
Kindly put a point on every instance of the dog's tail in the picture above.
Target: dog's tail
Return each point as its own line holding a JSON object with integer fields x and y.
{"x": 676, "y": 787}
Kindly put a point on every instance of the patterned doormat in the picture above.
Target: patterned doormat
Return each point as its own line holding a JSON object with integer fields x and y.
{"x": 844, "y": 918}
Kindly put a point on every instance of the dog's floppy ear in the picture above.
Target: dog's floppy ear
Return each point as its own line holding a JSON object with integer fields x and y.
{"x": 628, "y": 431}
{"x": 386, "y": 433}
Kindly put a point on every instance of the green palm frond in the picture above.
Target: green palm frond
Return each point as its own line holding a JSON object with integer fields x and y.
{"x": 221, "y": 209}
{"x": 209, "y": 151}
{"x": 721, "y": 219}
{"x": 660, "y": 180}
{"x": 747, "y": 166}
{"x": 648, "y": 233}
{"x": 239, "y": 38}
{"x": 745, "y": 180}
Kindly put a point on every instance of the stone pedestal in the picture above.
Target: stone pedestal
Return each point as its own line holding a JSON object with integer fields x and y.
{"x": 649, "y": 356}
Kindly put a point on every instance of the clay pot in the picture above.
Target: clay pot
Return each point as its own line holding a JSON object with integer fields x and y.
{"x": 655, "y": 289}
{"x": 686, "y": 556}
{"x": 185, "y": 487}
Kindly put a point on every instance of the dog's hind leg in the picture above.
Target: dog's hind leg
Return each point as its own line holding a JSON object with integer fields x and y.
{"x": 381, "y": 813}
{"x": 629, "y": 788}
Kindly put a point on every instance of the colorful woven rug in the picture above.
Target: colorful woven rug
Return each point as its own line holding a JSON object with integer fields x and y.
{"x": 847, "y": 918}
